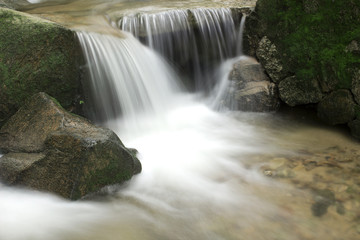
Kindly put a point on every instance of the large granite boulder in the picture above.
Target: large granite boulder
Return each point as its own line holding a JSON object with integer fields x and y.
{"x": 36, "y": 55}
{"x": 251, "y": 88}
{"x": 52, "y": 150}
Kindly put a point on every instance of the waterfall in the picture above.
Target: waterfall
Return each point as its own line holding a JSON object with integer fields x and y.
{"x": 222, "y": 97}
{"x": 126, "y": 78}
{"x": 196, "y": 41}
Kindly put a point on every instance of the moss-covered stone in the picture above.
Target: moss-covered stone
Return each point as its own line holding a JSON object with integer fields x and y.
{"x": 312, "y": 37}
{"x": 36, "y": 55}
{"x": 14, "y": 4}
{"x": 52, "y": 150}
{"x": 315, "y": 43}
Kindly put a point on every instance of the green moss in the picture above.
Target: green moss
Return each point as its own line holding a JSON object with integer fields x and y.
{"x": 314, "y": 40}
{"x": 36, "y": 56}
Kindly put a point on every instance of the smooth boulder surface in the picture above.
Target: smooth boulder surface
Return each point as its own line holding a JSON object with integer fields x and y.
{"x": 37, "y": 55}
{"x": 52, "y": 150}
{"x": 253, "y": 90}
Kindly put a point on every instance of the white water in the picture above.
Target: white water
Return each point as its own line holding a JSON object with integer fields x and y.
{"x": 194, "y": 40}
{"x": 192, "y": 158}
{"x": 127, "y": 78}
{"x": 196, "y": 181}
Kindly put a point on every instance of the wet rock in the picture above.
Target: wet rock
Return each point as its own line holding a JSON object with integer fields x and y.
{"x": 269, "y": 57}
{"x": 355, "y": 128}
{"x": 337, "y": 108}
{"x": 294, "y": 91}
{"x": 253, "y": 90}
{"x": 52, "y": 150}
{"x": 323, "y": 199}
{"x": 36, "y": 55}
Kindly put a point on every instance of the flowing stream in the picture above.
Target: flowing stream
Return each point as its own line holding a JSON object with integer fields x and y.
{"x": 206, "y": 174}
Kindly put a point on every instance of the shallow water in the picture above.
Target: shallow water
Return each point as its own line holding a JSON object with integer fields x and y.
{"x": 206, "y": 175}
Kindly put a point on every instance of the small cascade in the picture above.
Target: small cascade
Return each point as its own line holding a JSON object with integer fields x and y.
{"x": 223, "y": 95}
{"x": 125, "y": 77}
{"x": 196, "y": 41}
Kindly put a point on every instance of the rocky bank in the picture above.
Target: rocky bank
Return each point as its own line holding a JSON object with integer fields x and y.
{"x": 310, "y": 49}
{"x": 37, "y": 55}
{"x": 49, "y": 149}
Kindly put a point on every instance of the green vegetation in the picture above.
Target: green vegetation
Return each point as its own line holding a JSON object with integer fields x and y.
{"x": 313, "y": 35}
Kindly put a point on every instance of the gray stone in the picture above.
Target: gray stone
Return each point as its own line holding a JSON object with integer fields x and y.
{"x": 294, "y": 91}
{"x": 269, "y": 57}
{"x": 253, "y": 90}
{"x": 337, "y": 108}
{"x": 52, "y": 150}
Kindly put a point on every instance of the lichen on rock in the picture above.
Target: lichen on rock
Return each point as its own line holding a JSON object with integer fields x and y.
{"x": 269, "y": 57}
{"x": 294, "y": 91}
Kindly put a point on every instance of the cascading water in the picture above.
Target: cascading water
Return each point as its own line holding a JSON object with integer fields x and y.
{"x": 196, "y": 41}
{"x": 126, "y": 77}
{"x": 201, "y": 177}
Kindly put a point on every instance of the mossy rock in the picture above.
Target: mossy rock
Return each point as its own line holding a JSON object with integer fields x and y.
{"x": 13, "y": 4}
{"x": 49, "y": 149}
{"x": 36, "y": 55}
{"x": 312, "y": 37}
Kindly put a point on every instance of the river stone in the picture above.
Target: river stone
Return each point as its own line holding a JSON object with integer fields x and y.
{"x": 337, "y": 108}
{"x": 36, "y": 55}
{"x": 294, "y": 91}
{"x": 269, "y": 57}
{"x": 355, "y": 88}
{"x": 253, "y": 90}
{"x": 52, "y": 150}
